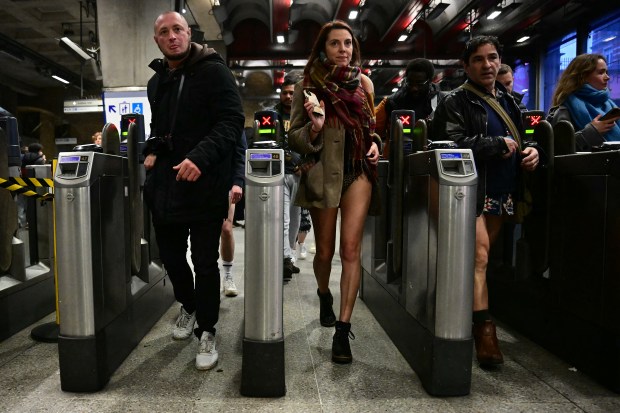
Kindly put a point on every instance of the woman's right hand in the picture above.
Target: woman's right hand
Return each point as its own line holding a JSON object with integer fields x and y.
{"x": 317, "y": 120}
{"x": 603, "y": 126}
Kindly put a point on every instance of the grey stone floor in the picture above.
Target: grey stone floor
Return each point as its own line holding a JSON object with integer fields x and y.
{"x": 159, "y": 375}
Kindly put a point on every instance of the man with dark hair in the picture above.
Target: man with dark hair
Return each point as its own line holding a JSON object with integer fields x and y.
{"x": 417, "y": 93}
{"x": 482, "y": 116}
{"x": 292, "y": 212}
{"x": 505, "y": 76}
{"x": 196, "y": 120}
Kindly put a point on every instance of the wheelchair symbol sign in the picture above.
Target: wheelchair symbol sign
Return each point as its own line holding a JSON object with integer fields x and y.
{"x": 137, "y": 108}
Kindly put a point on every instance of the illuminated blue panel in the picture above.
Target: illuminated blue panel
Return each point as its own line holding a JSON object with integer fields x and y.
{"x": 450, "y": 155}
{"x": 260, "y": 156}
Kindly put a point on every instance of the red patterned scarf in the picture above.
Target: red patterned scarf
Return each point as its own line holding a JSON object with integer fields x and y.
{"x": 341, "y": 90}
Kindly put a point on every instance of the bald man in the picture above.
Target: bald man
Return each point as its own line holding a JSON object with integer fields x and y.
{"x": 196, "y": 120}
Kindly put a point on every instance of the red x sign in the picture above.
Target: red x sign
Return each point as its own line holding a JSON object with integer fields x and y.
{"x": 267, "y": 120}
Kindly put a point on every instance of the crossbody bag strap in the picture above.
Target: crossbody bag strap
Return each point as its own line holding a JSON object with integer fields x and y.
{"x": 176, "y": 105}
{"x": 494, "y": 104}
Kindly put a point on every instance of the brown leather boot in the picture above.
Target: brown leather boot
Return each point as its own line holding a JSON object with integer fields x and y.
{"x": 487, "y": 347}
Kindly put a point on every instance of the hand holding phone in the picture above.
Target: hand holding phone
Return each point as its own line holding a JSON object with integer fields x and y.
{"x": 614, "y": 113}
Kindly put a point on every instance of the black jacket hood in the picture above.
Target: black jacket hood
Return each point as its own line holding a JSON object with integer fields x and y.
{"x": 197, "y": 53}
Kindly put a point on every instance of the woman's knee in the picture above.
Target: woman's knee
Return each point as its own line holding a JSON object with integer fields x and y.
{"x": 482, "y": 256}
{"x": 349, "y": 251}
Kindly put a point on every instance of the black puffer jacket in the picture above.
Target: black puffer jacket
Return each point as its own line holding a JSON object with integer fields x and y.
{"x": 209, "y": 120}
{"x": 460, "y": 117}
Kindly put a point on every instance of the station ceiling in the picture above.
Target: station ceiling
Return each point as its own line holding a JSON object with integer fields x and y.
{"x": 391, "y": 32}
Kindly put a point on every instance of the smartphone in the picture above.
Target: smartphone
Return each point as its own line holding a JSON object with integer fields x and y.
{"x": 614, "y": 113}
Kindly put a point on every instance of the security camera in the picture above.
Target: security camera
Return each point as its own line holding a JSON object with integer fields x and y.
{"x": 75, "y": 50}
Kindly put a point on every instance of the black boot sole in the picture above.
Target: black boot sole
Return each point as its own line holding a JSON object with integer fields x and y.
{"x": 342, "y": 359}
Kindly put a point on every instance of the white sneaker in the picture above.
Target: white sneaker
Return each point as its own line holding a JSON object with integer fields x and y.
{"x": 230, "y": 289}
{"x": 303, "y": 252}
{"x": 184, "y": 326}
{"x": 207, "y": 355}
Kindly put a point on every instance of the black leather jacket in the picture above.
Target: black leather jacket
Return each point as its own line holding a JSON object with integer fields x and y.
{"x": 460, "y": 117}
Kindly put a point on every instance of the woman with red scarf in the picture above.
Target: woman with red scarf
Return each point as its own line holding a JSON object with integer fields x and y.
{"x": 341, "y": 152}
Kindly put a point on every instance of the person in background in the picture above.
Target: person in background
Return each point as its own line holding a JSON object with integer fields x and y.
{"x": 292, "y": 212}
{"x": 417, "y": 93}
{"x": 34, "y": 156}
{"x": 505, "y": 76}
{"x": 96, "y": 138}
{"x": 481, "y": 115}
{"x": 343, "y": 174}
{"x": 227, "y": 243}
{"x": 197, "y": 118}
{"x": 305, "y": 225}
{"x": 581, "y": 97}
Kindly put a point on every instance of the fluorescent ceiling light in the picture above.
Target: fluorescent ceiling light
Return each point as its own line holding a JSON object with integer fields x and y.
{"x": 278, "y": 90}
{"x": 395, "y": 90}
{"x": 280, "y": 38}
{"x": 74, "y": 49}
{"x": 353, "y": 14}
{"x": 524, "y": 38}
{"x": 609, "y": 39}
{"x": 60, "y": 79}
{"x": 494, "y": 14}
{"x": 403, "y": 37}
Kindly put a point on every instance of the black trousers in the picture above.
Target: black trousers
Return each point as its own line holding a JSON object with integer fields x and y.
{"x": 203, "y": 293}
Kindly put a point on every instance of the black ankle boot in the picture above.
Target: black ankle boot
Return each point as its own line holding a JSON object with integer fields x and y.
{"x": 341, "y": 350}
{"x": 326, "y": 316}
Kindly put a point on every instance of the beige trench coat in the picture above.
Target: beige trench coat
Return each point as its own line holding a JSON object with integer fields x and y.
{"x": 321, "y": 186}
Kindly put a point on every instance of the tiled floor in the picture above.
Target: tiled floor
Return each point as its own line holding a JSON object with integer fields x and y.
{"x": 159, "y": 375}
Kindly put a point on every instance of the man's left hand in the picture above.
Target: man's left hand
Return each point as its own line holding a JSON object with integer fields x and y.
{"x": 187, "y": 171}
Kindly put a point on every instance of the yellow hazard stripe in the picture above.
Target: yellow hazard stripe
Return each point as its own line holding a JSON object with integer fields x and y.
{"x": 36, "y": 182}
{"x": 23, "y": 190}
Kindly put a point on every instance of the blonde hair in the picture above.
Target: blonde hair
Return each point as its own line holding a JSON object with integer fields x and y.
{"x": 574, "y": 77}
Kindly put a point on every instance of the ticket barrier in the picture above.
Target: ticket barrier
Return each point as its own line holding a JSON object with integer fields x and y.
{"x": 426, "y": 309}
{"x": 110, "y": 291}
{"x": 573, "y": 307}
{"x": 26, "y": 255}
{"x": 266, "y": 126}
{"x": 262, "y": 372}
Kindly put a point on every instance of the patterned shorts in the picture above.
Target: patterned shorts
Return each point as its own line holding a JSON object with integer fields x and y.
{"x": 494, "y": 204}
{"x": 305, "y": 224}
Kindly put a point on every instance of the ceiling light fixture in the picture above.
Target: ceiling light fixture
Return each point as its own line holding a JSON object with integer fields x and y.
{"x": 280, "y": 38}
{"x": 437, "y": 10}
{"x": 74, "y": 49}
{"x": 522, "y": 39}
{"x": 353, "y": 14}
{"x": 403, "y": 37}
{"x": 495, "y": 12}
{"x": 60, "y": 79}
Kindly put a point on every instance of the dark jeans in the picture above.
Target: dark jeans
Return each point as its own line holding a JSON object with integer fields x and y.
{"x": 204, "y": 297}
